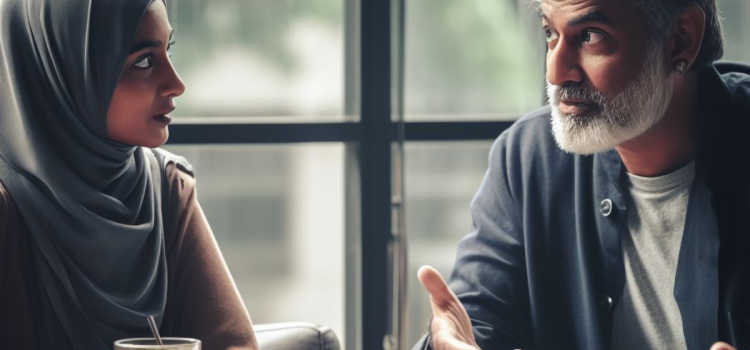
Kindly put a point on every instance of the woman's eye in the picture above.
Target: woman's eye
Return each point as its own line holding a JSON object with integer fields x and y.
{"x": 169, "y": 48}
{"x": 592, "y": 37}
{"x": 144, "y": 63}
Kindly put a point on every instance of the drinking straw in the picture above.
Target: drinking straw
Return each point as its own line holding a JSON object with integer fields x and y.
{"x": 154, "y": 330}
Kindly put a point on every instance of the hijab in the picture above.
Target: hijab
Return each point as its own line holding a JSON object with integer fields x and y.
{"x": 92, "y": 205}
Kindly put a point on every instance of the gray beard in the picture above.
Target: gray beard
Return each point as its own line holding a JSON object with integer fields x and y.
{"x": 612, "y": 120}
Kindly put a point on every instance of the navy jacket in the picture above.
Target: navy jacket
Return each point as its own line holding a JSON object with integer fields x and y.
{"x": 543, "y": 268}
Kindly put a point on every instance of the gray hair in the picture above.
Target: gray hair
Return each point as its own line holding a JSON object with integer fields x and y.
{"x": 660, "y": 15}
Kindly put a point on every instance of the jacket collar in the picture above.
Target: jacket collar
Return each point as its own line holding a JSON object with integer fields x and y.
{"x": 715, "y": 124}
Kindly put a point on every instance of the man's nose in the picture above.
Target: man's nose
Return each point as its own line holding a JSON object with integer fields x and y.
{"x": 563, "y": 64}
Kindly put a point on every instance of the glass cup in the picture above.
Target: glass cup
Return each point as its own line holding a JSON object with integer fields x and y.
{"x": 170, "y": 343}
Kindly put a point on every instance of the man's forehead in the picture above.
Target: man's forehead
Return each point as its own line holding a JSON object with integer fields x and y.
{"x": 565, "y": 9}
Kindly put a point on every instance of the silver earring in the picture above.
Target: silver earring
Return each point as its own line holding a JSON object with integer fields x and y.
{"x": 680, "y": 67}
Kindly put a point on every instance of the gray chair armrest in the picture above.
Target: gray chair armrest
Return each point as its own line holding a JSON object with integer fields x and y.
{"x": 295, "y": 336}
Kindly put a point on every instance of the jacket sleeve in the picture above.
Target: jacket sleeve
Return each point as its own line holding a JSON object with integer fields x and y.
{"x": 203, "y": 301}
{"x": 489, "y": 276}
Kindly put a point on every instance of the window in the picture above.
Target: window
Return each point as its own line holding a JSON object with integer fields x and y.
{"x": 438, "y": 214}
{"x": 256, "y": 58}
{"x": 736, "y": 29}
{"x": 277, "y": 214}
{"x": 452, "y": 54}
{"x": 290, "y": 114}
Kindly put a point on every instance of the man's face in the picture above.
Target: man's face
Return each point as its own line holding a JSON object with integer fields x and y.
{"x": 606, "y": 79}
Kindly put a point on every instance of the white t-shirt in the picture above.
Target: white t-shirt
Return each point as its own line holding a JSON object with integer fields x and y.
{"x": 647, "y": 316}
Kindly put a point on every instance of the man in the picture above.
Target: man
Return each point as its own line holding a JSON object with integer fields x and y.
{"x": 618, "y": 217}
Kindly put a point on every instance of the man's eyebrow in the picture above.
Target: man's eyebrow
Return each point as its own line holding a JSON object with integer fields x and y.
{"x": 148, "y": 44}
{"x": 595, "y": 16}
{"x": 540, "y": 13}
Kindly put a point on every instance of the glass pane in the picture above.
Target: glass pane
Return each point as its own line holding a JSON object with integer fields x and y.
{"x": 736, "y": 29}
{"x": 437, "y": 214}
{"x": 259, "y": 58}
{"x": 482, "y": 59}
{"x": 277, "y": 213}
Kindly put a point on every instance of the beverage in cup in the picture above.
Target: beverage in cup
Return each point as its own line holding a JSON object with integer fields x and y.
{"x": 170, "y": 343}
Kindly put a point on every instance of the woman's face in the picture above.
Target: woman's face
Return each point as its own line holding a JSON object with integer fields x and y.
{"x": 139, "y": 112}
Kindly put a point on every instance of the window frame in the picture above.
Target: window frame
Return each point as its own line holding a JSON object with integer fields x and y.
{"x": 373, "y": 53}
{"x": 373, "y": 66}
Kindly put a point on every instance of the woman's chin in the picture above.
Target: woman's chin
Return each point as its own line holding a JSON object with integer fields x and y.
{"x": 157, "y": 141}
{"x": 152, "y": 139}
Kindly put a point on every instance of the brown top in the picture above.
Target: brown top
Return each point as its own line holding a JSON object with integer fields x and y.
{"x": 202, "y": 300}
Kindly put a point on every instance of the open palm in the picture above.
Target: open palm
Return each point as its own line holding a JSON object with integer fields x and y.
{"x": 451, "y": 327}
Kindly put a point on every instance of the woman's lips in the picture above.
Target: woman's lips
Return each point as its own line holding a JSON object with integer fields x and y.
{"x": 162, "y": 118}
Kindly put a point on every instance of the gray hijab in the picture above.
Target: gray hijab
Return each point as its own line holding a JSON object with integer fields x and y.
{"x": 92, "y": 205}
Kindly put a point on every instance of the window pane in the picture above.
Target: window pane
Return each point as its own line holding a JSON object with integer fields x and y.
{"x": 437, "y": 214}
{"x": 259, "y": 58}
{"x": 736, "y": 29}
{"x": 482, "y": 59}
{"x": 277, "y": 213}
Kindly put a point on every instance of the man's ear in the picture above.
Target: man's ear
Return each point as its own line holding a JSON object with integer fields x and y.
{"x": 687, "y": 36}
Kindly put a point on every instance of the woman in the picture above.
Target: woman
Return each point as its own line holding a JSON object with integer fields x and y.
{"x": 97, "y": 230}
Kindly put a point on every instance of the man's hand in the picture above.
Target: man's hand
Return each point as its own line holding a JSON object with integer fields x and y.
{"x": 451, "y": 327}
{"x": 722, "y": 346}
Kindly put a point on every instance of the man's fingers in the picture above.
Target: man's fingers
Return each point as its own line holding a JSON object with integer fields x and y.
{"x": 722, "y": 346}
{"x": 434, "y": 284}
{"x": 451, "y": 327}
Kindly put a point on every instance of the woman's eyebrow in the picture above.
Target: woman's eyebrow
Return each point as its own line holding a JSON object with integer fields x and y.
{"x": 145, "y": 45}
{"x": 148, "y": 44}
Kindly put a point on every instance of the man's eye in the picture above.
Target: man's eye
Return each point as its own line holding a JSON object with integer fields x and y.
{"x": 592, "y": 37}
{"x": 144, "y": 63}
{"x": 550, "y": 34}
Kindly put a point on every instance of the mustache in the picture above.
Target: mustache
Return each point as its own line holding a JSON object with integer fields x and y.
{"x": 577, "y": 91}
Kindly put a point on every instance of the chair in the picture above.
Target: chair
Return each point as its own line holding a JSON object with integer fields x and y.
{"x": 295, "y": 336}
{"x": 729, "y": 66}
